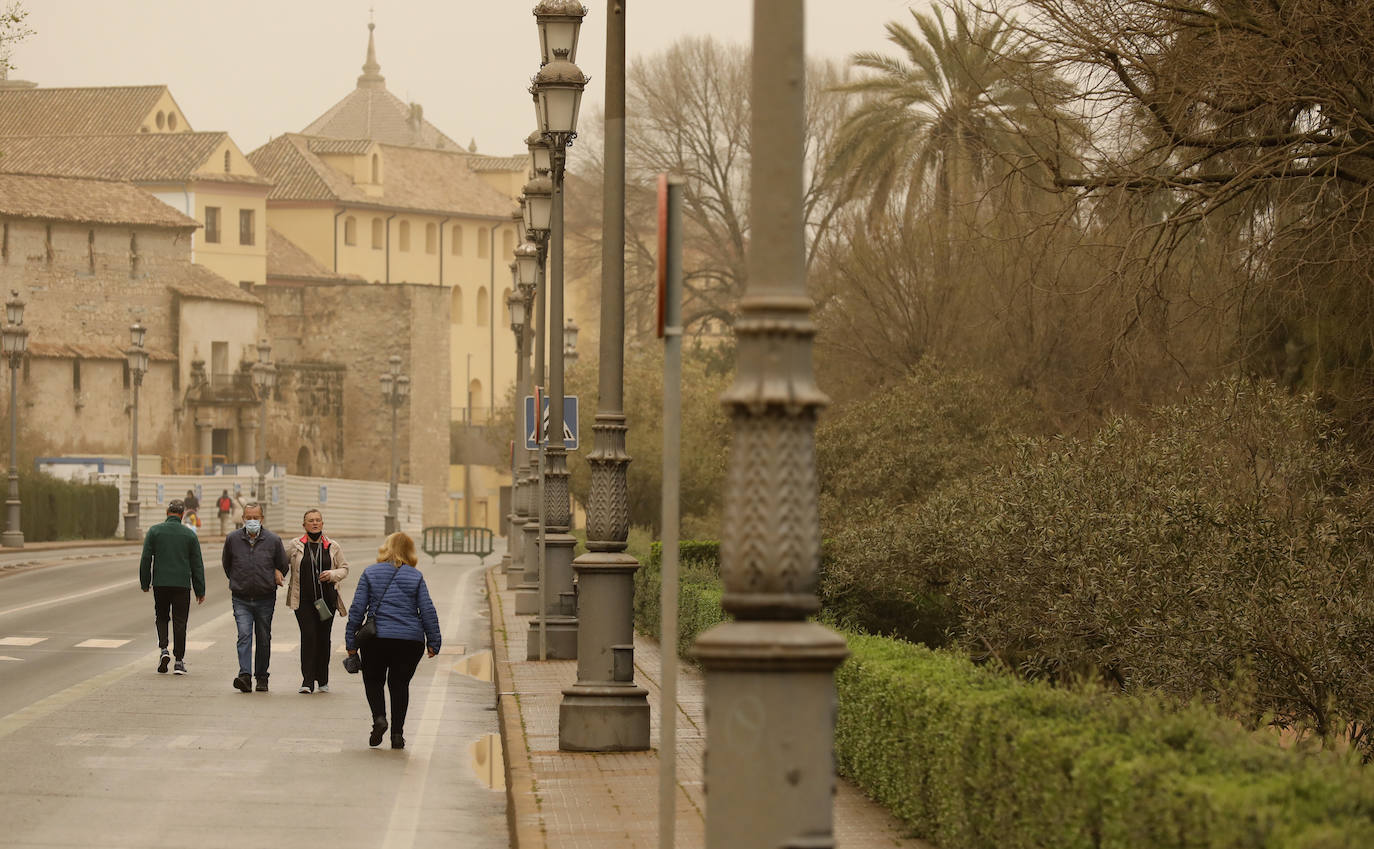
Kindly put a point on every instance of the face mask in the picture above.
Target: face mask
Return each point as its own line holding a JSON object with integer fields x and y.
{"x": 314, "y": 537}
{"x": 252, "y": 526}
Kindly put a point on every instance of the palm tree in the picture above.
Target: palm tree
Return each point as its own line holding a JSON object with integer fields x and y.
{"x": 956, "y": 111}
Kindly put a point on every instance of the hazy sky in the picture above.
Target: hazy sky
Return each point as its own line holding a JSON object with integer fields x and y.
{"x": 258, "y": 68}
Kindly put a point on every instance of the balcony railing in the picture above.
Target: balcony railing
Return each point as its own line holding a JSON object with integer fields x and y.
{"x": 475, "y": 416}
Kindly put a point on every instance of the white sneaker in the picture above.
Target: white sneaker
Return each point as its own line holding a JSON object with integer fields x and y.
{"x": 306, "y": 688}
{"x": 323, "y": 688}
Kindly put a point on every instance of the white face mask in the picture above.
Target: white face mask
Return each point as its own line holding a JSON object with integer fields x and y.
{"x": 252, "y": 526}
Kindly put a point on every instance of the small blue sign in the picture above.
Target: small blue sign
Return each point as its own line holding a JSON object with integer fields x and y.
{"x": 161, "y": 494}
{"x": 569, "y": 422}
{"x": 324, "y": 494}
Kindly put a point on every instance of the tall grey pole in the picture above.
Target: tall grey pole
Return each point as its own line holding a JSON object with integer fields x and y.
{"x": 392, "y": 505}
{"x": 515, "y": 536}
{"x": 553, "y": 633}
{"x": 131, "y": 528}
{"x": 605, "y": 711}
{"x": 527, "y": 596}
{"x": 13, "y": 536}
{"x": 262, "y": 451}
{"x": 769, "y": 673}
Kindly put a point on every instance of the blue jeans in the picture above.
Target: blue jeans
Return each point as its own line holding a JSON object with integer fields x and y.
{"x": 254, "y": 620}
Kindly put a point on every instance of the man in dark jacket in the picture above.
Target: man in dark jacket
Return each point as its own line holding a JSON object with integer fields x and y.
{"x": 172, "y": 567}
{"x": 255, "y": 564}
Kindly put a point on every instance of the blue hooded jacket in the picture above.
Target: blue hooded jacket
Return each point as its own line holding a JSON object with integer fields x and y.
{"x": 400, "y": 600}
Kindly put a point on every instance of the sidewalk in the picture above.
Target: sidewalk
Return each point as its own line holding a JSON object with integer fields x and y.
{"x": 561, "y": 800}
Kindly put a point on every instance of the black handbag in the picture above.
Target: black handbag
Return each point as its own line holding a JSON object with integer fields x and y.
{"x": 367, "y": 631}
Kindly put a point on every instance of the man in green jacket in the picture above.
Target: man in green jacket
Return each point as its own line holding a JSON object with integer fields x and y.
{"x": 172, "y": 567}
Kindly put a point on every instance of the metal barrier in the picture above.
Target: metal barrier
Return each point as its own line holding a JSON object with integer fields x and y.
{"x": 448, "y": 539}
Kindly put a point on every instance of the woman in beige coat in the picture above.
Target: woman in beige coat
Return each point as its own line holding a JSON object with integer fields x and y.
{"x": 317, "y": 566}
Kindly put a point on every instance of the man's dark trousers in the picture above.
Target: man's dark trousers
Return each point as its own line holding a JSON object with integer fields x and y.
{"x": 172, "y": 603}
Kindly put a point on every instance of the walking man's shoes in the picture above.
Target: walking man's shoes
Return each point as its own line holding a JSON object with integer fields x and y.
{"x": 262, "y": 685}
{"x": 323, "y": 688}
{"x": 243, "y": 683}
{"x": 163, "y": 661}
{"x": 306, "y": 688}
{"x": 180, "y": 668}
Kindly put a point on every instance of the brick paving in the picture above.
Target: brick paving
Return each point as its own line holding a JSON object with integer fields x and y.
{"x": 567, "y": 800}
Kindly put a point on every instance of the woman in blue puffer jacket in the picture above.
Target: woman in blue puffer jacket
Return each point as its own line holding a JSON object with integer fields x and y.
{"x": 407, "y": 627}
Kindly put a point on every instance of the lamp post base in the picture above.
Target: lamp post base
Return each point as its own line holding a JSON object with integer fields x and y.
{"x": 389, "y": 525}
{"x": 12, "y": 539}
{"x": 561, "y": 633}
{"x": 604, "y": 717}
{"x": 131, "y": 528}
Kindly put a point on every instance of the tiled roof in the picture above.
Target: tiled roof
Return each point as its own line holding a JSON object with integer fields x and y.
{"x": 355, "y": 146}
{"x": 197, "y": 281}
{"x": 378, "y": 115}
{"x": 287, "y": 261}
{"x": 87, "y": 201}
{"x": 88, "y": 351}
{"x": 76, "y": 111}
{"x": 481, "y": 162}
{"x": 142, "y": 157}
{"x": 413, "y": 179}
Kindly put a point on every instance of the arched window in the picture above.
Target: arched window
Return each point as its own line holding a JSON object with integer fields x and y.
{"x": 404, "y": 235}
{"x": 303, "y": 462}
{"x": 508, "y": 244}
{"x": 378, "y": 236}
{"x": 456, "y": 244}
{"x": 455, "y": 310}
{"x": 171, "y": 120}
{"x": 350, "y": 231}
{"x": 376, "y": 168}
{"x": 483, "y": 305}
{"x": 431, "y": 238}
{"x": 482, "y": 237}
{"x": 505, "y": 307}
{"x": 474, "y": 399}
{"x": 161, "y": 119}
{"x": 226, "y": 162}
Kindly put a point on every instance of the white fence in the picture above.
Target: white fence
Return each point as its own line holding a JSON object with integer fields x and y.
{"x": 350, "y": 507}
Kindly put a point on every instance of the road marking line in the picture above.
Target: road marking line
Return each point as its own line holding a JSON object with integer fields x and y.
{"x": 15, "y": 659}
{"x": 102, "y": 644}
{"x": 21, "y": 641}
{"x": 410, "y": 794}
{"x": 132, "y": 582}
{"x": 199, "y": 645}
{"x": 41, "y": 708}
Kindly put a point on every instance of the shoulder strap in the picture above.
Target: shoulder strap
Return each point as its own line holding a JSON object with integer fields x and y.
{"x": 388, "y": 587}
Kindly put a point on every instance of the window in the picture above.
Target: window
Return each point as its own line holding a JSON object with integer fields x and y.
{"x": 378, "y": 237}
{"x": 483, "y": 305}
{"x": 135, "y": 261}
{"x": 161, "y": 119}
{"x": 246, "y": 285}
{"x": 508, "y": 244}
{"x": 431, "y": 238}
{"x": 171, "y": 120}
{"x": 219, "y": 359}
{"x": 127, "y": 380}
{"x": 482, "y": 236}
{"x": 376, "y": 168}
{"x": 246, "y": 230}
{"x": 404, "y": 236}
{"x": 455, "y": 311}
{"x": 212, "y": 224}
{"x": 226, "y": 162}
{"x": 5, "y": 243}
{"x": 76, "y": 375}
{"x": 456, "y": 247}
{"x": 90, "y": 251}
{"x": 47, "y": 243}
{"x": 350, "y": 231}
{"x": 505, "y": 307}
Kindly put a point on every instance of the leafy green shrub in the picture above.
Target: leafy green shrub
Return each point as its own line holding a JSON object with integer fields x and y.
{"x": 974, "y": 758}
{"x": 1168, "y": 552}
{"x": 55, "y": 509}
{"x": 699, "y": 591}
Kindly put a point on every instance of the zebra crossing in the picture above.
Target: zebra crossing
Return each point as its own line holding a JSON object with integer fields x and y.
{"x": 48, "y": 643}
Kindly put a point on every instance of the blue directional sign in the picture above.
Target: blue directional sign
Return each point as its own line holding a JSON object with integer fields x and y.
{"x": 569, "y": 421}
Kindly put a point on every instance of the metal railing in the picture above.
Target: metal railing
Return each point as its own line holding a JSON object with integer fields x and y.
{"x": 477, "y": 416}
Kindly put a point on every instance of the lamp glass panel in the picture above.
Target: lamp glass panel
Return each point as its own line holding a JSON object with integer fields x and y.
{"x": 517, "y": 312}
{"x": 136, "y": 334}
{"x": 14, "y": 311}
{"x": 10, "y": 338}
{"x": 558, "y": 107}
{"x": 402, "y": 386}
{"x": 541, "y": 211}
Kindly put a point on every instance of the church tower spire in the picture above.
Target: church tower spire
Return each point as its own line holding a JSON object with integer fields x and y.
{"x": 372, "y": 71}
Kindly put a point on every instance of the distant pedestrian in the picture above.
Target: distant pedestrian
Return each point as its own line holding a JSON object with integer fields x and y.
{"x": 171, "y": 566}
{"x": 407, "y": 626}
{"x": 225, "y": 506}
{"x": 192, "y": 503}
{"x": 317, "y": 566}
{"x": 255, "y": 564}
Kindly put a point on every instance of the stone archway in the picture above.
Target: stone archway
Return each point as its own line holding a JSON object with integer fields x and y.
{"x": 303, "y": 462}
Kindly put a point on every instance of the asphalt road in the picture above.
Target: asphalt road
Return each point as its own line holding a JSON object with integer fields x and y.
{"x": 100, "y": 750}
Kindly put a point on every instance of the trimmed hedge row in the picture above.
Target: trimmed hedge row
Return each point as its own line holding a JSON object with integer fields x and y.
{"x": 973, "y": 758}
{"x": 55, "y": 509}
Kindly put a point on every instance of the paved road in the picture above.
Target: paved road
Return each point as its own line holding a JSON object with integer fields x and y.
{"x": 100, "y": 750}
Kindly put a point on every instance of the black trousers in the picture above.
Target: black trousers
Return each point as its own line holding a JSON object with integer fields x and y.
{"x": 172, "y": 603}
{"x": 390, "y": 662}
{"x": 314, "y": 644}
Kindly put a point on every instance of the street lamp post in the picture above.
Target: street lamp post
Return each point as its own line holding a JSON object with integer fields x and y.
{"x": 538, "y": 209}
{"x": 606, "y": 710}
{"x": 265, "y": 378}
{"x": 15, "y": 338}
{"x": 558, "y": 96}
{"x": 515, "y": 307}
{"x": 770, "y": 674}
{"x": 526, "y": 271}
{"x": 395, "y": 390}
{"x": 138, "y": 366}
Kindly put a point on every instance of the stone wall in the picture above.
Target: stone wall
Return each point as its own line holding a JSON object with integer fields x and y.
{"x": 358, "y": 326}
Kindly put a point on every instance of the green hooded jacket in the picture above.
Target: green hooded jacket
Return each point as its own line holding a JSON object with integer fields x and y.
{"x": 171, "y": 558}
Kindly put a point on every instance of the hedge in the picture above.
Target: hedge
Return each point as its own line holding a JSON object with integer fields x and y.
{"x": 55, "y": 509}
{"x": 971, "y": 757}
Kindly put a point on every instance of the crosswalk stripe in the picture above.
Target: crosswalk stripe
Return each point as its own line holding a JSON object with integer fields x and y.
{"x": 199, "y": 645}
{"x": 15, "y": 659}
{"x": 102, "y": 644}
{"x": 21, "y": 641}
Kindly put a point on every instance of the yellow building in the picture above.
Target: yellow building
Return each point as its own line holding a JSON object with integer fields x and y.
{"x": 371, "y": 188}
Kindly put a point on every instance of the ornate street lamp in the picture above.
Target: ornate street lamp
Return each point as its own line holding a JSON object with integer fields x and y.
{"x": 539, "y": 152}
{"x": 559, "y": 23}
{"x": 265, "y": 379}
{"x": 395, "y": 390}
{"x": 557, "y": 90}
{"x": 524, "y": 559}
{"x": 570, "y": 330}
{"x": 770, "y": 667}
{"x": 138, "y": 366}
{"x": 15, "y": 343}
